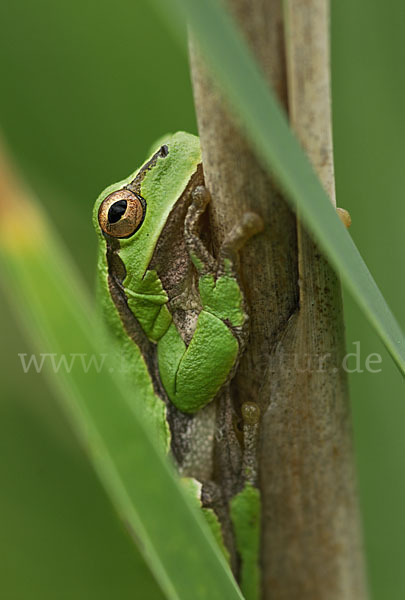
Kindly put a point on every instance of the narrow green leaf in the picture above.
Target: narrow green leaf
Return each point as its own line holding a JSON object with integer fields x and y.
{"x": 47, "y": 295}
{"x": 269, "y": 132}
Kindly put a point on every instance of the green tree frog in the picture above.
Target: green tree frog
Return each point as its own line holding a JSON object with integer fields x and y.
{"x": 179, "y": 325}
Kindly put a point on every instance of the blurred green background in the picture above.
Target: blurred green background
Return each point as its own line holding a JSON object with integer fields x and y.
{"x": 85, "y": 89}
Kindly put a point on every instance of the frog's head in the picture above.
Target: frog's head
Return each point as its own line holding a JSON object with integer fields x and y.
{"x": 132, "y": 212}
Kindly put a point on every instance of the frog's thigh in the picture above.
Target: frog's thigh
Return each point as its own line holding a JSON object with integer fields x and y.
{"x": 205, "y": 366}
{"x": 194, "y": 380}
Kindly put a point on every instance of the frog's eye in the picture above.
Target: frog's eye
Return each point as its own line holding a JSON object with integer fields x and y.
{"x": 121, "y": 214}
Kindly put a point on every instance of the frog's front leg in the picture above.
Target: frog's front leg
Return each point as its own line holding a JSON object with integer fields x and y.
{"x": 192, "y": 375}
{"x": 219, "y": 283}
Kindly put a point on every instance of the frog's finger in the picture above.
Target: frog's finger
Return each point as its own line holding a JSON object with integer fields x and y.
{"x": 249, "y": 225}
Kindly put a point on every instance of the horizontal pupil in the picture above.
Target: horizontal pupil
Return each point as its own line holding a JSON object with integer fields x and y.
{"x": 116, "y": 211}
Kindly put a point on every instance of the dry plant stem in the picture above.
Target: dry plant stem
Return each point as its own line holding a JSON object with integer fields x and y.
{"x": 311, "y": 542}
{"x": 312, "y": 500}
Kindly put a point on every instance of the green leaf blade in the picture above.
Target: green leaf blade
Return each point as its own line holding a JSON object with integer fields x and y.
{"x": 53, "y": 306}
